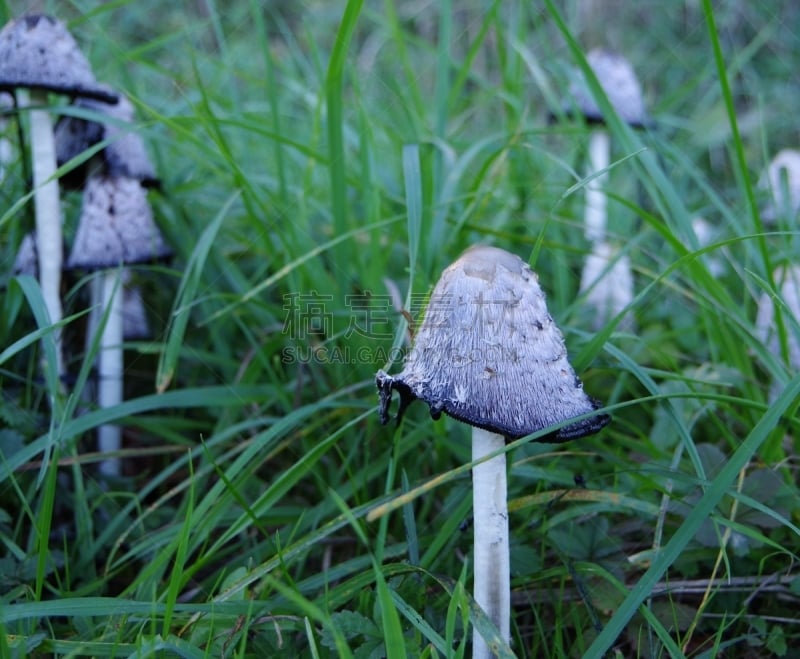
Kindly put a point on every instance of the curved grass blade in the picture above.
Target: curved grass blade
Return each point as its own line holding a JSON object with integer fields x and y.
{"x": 179, "y": 319}
{"x": 717, "y": 488}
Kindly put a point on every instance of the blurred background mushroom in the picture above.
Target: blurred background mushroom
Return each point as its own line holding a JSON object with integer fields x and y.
{"x": 116, "y": 229}
{"x": 39, "y": 55}
{"x": 124, "y": 152}
{"x": 781, "y": 335}
{"x": 489, "y": 354}
{"x": 781, "y": 179}
{"x": 619, "y": 83}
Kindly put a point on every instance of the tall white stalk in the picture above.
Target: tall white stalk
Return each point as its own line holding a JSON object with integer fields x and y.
{"x": 109, "y": 370}
{"x": 596, "y": 200}
{"x": 492, "y": 587}
{"x": 48, "y": 214}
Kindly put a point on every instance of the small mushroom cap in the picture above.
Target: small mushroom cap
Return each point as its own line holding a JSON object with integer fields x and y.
{"x": 125, "y": 154}
{"x": 488, "y": 353}
{"x": 116, "y": 226}
{"x": 785, "y": 196}
{"x": 618, "y": 80}
{"x": 38, "y": 52}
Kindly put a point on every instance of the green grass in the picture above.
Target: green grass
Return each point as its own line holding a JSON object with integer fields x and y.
{"x": 322, "y": 163}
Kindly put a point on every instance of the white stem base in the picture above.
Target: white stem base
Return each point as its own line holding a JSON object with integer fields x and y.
{"x": 492, "y": 587}
{"x": 109, "y": 370}
{"x": 48, "y": 215}
{"x": 595, "y": 213}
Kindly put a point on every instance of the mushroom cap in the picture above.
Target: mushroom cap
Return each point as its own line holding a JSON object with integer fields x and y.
{"x": 618, "y": 80}
{"x": 786, "y": 163}
{"x": 125, "y": 154}
{"x": 489, "y": 354}
{"x": 116, "y": 226}
{"x": 38, "y": 52}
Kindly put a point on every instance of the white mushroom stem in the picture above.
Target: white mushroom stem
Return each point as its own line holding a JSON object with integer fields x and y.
{"x": 492, "y": 587}
{"x": 109, "y": 369}
{"x": 599, "y": 157}
{"x": 48, "y": 214}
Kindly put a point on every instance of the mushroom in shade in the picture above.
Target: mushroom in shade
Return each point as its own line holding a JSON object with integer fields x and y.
{"x": 489, "y": 354}
{"x": 116, "y": 228}
{"x": 782, "y": 179}
{"x": 618, "y": 80}
{"x": 37, "y": 53}
{"x": 125, "y": 154}
{"x": 134, "y": 316}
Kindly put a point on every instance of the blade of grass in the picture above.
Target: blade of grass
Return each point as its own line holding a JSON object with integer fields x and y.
{"x": 289, "y": 267}
{"x": 273, "y": 94}
{"x": 416, "y": 619}
{"x": 738, "y": 145}
{"x": 312, "y": 611}
{"x": 716, "y": 489}
{"x": 391, "y": 627}
{"x": 183, "y": 399}
{"x": 410, "y": 525}
{"x": 334, "y": 90}
{"x": 44, "y": 521}
{"x": 435, "y": 232}
{"x": 412, "y": 180}
{"x": 187, "y": 293}
{"x": 177, "y": 575}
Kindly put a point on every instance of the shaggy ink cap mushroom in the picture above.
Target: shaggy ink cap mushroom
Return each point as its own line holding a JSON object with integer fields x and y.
{"x": 125, "y": 155}
{"x": 38, "y": 52}
{"x": 618, "y": 80}
{"x": 116, "y": 226}
{"x": 489, "y": 354}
